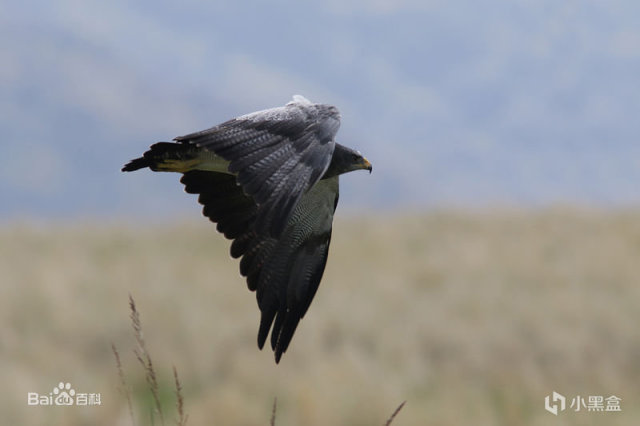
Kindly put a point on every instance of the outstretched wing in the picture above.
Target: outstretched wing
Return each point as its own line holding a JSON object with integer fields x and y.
{"x": 277, "y": 155}
{"x": 290, "y": 270}
{"x": 285, "y": 272}
{"x": 223, "y": 200}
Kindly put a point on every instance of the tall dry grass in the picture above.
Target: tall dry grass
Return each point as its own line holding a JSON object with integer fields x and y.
{"x": 472, "y": 318}
{"x": 144, "y": 358}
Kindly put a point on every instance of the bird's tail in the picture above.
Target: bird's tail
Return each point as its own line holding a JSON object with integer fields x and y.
{"x": 165, "y": 157}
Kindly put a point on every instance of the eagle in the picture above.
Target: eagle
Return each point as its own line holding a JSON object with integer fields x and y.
{"x": 269, "y": 180}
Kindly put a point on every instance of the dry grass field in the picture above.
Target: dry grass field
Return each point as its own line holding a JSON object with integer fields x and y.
{"x": 472, "y": 318}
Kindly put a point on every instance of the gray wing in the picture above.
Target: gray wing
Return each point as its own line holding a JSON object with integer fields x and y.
{"x": 277, "y": 155}
{"x": 285, "y": 272}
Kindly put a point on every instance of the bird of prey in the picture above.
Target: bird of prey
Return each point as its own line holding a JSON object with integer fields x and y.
{"x": 269, "y": 180}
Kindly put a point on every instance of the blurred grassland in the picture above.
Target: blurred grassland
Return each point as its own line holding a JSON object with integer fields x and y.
{"x": 471, "y": 317}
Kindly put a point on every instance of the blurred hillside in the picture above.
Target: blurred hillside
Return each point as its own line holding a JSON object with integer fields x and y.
{"x": 472, "y": 317}
{"x": 461, "y": 103}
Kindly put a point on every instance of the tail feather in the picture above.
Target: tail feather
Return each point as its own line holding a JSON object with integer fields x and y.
{"x": 135, "y": 164}
{"x": 163, "y": 156}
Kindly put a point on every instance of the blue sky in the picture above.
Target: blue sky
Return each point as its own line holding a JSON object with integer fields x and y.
{"x": 460, "y": 103}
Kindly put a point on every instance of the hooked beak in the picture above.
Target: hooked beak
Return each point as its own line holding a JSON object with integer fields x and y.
{"x": 367, "y": 165}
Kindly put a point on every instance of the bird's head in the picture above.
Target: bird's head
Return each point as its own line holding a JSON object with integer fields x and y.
{"x": 346, "y": 160}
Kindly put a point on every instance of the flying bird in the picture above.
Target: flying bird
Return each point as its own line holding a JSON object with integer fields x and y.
{"x": 269, "y": 180}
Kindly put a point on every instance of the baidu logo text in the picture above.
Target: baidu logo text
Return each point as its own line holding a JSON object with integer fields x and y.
{"x": 63, "y": 394}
